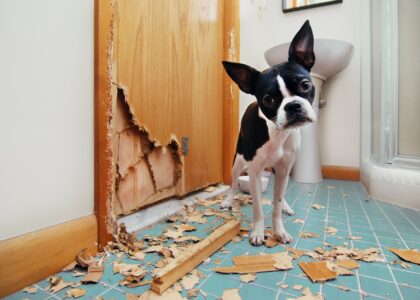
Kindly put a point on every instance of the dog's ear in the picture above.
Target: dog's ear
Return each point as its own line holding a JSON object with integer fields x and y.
{"x": 244, "y": 76}
{"x": 301, "y": 48}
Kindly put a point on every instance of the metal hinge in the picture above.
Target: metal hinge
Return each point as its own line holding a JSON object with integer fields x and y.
{"x": 185, "y": 140}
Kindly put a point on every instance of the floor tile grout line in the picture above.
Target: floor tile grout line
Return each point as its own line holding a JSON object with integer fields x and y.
{"x": 390, "y": 281}
{"x": 377, "y": 240}
{"x": 408, "y": 219}
{"x": 321, "y": 288}
{"x": 50, "y": 295}
{"x": 392, "y": 224}
{"x": 359, "y": 285}
{"x": 353, "y": 290}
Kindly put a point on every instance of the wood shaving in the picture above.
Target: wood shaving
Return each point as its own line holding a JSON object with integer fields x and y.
{"x": 30, "y": 289}
{"x": 57, "y": 284}
{"x": 348, "y": 264}
{"x": 297, "y": 220}
{"x": 344, "y": 288}
{"x": 210, "y": 189}
{"x": 405, "y": 265}
{"x": 317, "y": 206}
{"x": 70, "y": 266}
{"x": 331, "y": 230}
{"x": 189, "y": 281}
{"x": 308, "y": 235}
{"x": 231, "y": 294}
{"x": 75, "y": 293}
{"x": 217, "y": 261}
{"x": 84, "y": 259}
{"x": 192, "y": 293}
{"x": 296, "y": 253}
{"x": 283, "y": 261}
{"x": 338, "y": 269}
{"x": 247, "y": 277}
{"x": 283, "y": 285}
{"x": 354, "y": 237}
{"x": 297, "y": 287}
{"x": 94, "y": 274}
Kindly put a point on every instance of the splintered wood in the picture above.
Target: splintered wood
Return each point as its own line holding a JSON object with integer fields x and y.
{"x": 193, "y": 256}
{"x": 412, "y": 256}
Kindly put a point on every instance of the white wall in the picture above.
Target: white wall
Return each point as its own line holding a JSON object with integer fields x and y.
{"x": 46, "y": 113}
{"x": 262, "y": 29}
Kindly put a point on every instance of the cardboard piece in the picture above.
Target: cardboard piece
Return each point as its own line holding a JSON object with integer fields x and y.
{"x": 317, "y": 271}
{"x": 412, "y": 256}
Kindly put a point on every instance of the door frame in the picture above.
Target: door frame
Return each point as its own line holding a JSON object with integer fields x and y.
{"x": 103, "y": 100}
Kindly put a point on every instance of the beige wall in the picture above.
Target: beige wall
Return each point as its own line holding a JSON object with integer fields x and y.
{"x": 264, "y": 27}
{"x": 409, "y": 75}
{"x": 46, "y": 113}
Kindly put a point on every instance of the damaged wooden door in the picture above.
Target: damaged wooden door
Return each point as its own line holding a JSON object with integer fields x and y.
{"x": 167, "y": 94}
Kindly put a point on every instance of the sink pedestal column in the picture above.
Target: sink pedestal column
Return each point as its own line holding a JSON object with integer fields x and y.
{"x": 307, "y": 168}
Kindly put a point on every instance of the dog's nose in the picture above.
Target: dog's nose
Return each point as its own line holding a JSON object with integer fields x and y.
{"x": 293, "y": 107}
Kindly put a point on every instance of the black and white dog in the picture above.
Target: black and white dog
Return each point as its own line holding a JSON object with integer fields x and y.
{"x": 270, "y": 134}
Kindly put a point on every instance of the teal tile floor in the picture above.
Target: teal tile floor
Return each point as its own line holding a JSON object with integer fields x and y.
{"x": 347, "y": 208}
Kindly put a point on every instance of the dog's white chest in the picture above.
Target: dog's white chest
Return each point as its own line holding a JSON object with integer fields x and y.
{"x": 280, "y": 148}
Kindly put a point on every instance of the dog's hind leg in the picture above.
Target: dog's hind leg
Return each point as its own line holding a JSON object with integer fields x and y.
{"x": 238, "y": 167}
{"x": 286, "y": 208}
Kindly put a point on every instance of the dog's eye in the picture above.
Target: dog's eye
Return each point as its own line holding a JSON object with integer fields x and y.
{"x": 268, "y": 101}
{"x": 305, "y": 85}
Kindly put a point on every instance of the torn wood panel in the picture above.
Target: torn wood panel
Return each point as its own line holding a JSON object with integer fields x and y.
{"x": 163, "y": 167}
{"x": 135, "y": 188}
{"x": 192, "y": 257}
{"x": 145, "y": 171}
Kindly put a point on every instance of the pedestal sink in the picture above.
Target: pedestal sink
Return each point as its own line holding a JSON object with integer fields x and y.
{"x": 331, "y": 57}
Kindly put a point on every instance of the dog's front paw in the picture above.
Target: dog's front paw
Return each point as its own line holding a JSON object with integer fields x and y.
{"x": 256, "y": 238}
{"x": 227, "y": 203}
{"x": 283, "y": 236}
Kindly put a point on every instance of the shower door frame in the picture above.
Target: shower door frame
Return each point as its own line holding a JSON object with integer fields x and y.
{"x": 390, "y": 89}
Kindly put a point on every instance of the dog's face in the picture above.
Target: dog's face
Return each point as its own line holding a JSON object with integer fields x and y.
{"x": 284, "y": 92}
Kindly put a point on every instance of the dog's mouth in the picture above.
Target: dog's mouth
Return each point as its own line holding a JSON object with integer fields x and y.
{"x": 297, "y": 120}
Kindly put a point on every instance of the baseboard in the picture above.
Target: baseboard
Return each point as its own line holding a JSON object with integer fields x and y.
{"x": 341, "y": 172}
{"x": 33, "y": 256}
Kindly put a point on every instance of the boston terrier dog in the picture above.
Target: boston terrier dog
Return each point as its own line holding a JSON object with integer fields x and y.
{"x": 270, "y": 135}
